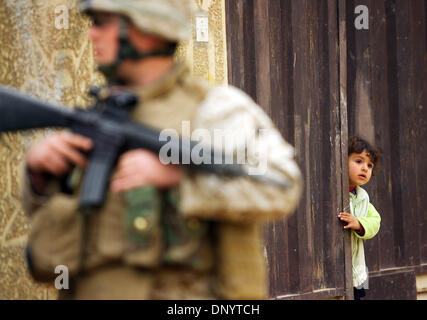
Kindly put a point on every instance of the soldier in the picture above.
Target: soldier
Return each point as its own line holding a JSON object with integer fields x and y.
{"x": 163, "y": 233}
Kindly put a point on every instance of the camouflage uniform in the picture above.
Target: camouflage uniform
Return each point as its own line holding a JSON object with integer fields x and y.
{"x": 200, "y": 240}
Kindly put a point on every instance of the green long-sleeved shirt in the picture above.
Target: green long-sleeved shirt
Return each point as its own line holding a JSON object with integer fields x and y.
{"x": 371, "y": 223}
{"x": 370, "y": 220}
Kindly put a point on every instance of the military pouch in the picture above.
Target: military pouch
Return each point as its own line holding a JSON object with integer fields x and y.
{"x": 56, "y": 237}
{"x": 187, "y": 240}
{"x": 143, "y": 234}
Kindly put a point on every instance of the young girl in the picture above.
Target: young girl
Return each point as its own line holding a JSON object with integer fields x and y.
{"x": 363, "y": 218}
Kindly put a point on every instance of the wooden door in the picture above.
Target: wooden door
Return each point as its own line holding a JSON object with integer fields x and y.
{"x": 286, "y": 55}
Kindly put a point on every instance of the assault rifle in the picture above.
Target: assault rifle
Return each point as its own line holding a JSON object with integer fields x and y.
{"x": 107, "y": 124}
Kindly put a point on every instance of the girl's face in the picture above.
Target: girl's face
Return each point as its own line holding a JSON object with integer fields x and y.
{"x": 360, "y": 168}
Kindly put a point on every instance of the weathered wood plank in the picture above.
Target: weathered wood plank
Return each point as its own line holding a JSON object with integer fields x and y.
{"x": 405, "y": 68}
{"x": 292, "y": 132}
{"x": 262, "y": 54}
{"x": 394, "y": 286}
{"x": 333, "y": 246}
{"x": 380, "y": 194}
{"x": 417, "y": 12}
{"x": 303, "y": 104}
{"x": 343, "y": 139}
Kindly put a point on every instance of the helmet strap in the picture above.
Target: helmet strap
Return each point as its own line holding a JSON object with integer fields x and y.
{"x": 128, "y": 51}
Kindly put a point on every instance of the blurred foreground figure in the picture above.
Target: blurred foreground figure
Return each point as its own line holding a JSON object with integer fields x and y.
{"x": 163, "y": 232}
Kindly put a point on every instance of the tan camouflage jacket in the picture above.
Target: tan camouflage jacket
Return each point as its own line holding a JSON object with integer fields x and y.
{"x": 235, "y": 206}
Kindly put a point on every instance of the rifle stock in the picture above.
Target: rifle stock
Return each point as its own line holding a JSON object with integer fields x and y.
{"x": 23, "y": 112}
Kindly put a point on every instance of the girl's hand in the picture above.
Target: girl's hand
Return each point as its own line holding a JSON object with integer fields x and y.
{"x": 352, "y": 222}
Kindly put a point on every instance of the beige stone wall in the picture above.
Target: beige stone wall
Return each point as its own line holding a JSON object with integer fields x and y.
{"x": 41, "y": 56}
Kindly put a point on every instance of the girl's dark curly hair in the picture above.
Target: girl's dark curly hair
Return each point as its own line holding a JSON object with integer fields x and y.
{"x": 357, "y": 145}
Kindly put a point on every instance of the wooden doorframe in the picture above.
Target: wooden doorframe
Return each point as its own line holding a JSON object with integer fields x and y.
{"x": 342, "y": 29}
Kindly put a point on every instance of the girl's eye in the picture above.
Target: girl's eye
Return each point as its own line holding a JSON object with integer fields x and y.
{"x": 370, "y": 166}
{"x": 358, "y": 161}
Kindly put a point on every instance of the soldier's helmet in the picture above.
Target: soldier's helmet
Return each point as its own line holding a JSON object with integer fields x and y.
{"x": 167, "y": 19}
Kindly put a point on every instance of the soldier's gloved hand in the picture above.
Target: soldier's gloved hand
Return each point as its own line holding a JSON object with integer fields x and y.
{"x": 55, "y": 155}
{"x": 137, "y": 168}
